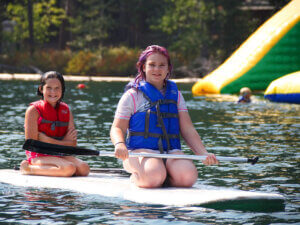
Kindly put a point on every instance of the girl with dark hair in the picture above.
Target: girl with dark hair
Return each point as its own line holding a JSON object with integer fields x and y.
{"x": 50, "y": 120}
{"x": 153, "y": 114}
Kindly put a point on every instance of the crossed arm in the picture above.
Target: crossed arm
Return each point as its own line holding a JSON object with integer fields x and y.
{"x": 31, "y": 130}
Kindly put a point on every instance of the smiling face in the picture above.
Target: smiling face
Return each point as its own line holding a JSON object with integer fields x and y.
{"x": 52, "y": 91}
{"x": 156, "y": 69}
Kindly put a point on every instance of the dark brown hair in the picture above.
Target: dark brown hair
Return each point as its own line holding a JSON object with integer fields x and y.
{"x": 51, "y": 75}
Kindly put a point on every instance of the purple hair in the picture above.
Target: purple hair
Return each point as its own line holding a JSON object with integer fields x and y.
{"x": 143, "y": 58}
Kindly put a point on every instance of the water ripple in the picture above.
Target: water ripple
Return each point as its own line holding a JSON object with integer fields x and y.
{"x": 268, "y": 130}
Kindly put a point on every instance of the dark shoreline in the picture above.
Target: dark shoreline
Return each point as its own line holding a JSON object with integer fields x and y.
{"x": 23, "y": 76}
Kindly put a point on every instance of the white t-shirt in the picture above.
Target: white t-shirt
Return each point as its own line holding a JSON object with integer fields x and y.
{"x": 134, "y": 101}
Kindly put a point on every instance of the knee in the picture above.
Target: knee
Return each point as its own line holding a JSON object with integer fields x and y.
{"x": 153, "y": 179}
{"x": 83, "y": 169}
{"x": 152, "y": 183}
{"x": 185, "y": 179}
{"x": 189, "y": 180}
{"x": 67, "y": 170}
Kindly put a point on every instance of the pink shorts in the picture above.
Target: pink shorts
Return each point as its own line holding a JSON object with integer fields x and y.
{"x": 31, "y": 155}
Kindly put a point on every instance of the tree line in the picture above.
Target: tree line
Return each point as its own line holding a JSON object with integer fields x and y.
{"x": 191, "y": 29}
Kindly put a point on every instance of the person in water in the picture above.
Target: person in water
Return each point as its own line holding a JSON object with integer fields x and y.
{"x": 50, "y": 120}
{"x": 153, "y": 113}
{"x": 245, "y": 95}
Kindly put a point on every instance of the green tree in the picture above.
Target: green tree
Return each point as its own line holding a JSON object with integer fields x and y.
{"x": 133, "y": 21}
{"x": 113, "y": 22}
{"x": 184, "y": 21}
{"x": 202, "y": 27}
{"x": 90, "y": 22}
{"x": 47, "y": 18}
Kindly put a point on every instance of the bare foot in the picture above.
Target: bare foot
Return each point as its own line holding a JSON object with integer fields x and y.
{"x": 24, "y": 167}
{"x": 131, "y": 178}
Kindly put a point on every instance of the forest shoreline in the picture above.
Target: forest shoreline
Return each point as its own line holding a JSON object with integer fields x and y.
{"x": 30, "y": 76}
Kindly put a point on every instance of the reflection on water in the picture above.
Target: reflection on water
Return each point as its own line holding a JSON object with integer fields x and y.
{"x": 268, "y": 130}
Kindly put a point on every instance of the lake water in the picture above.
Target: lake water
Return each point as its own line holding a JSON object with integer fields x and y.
{"x": 268, "y": 130}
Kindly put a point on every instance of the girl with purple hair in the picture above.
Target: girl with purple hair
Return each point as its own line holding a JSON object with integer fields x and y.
{"x": 152, "y": 114}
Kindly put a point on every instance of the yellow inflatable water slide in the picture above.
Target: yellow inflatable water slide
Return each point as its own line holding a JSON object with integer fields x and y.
{"x": 272, "y": 51}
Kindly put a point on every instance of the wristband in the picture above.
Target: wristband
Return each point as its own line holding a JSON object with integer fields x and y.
{"x": 119, "y": 143}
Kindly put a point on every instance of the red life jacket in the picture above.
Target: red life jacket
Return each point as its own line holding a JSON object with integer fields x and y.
{"x": 52, "y": 121}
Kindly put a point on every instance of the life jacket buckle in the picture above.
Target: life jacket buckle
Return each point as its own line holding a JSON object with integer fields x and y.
{"x": 53, "y": 125}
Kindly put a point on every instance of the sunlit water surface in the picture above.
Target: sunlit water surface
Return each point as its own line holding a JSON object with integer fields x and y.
{"x": 268, "y": 130}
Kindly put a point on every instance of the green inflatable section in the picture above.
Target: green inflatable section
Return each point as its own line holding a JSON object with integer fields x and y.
{"x": 282, "y": 59}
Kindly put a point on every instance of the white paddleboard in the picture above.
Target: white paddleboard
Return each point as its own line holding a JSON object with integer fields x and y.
{"x": 113, "y": 185}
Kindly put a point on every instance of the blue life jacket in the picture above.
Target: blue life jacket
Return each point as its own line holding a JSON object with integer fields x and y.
{"x": 243, "y": 99}
{"x": 156, "y": 127}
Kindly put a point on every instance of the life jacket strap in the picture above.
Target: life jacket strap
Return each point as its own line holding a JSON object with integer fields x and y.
{"x": 147, "y": 119}
{"x": 161, "y": 102}
{"x": 163, "y": 127}
{"x": 160, "y": 146}
{"x": 164, "y": 114}
{"x": 55, "y": 123}
{"x": 153, "y": 135}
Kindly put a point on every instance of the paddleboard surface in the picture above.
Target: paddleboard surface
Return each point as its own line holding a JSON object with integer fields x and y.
{"x": 114, "y": 185}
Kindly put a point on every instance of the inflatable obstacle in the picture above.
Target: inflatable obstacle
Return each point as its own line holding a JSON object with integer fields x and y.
{"x": 285, "y": 89}
{"x": 270, "y": 52}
